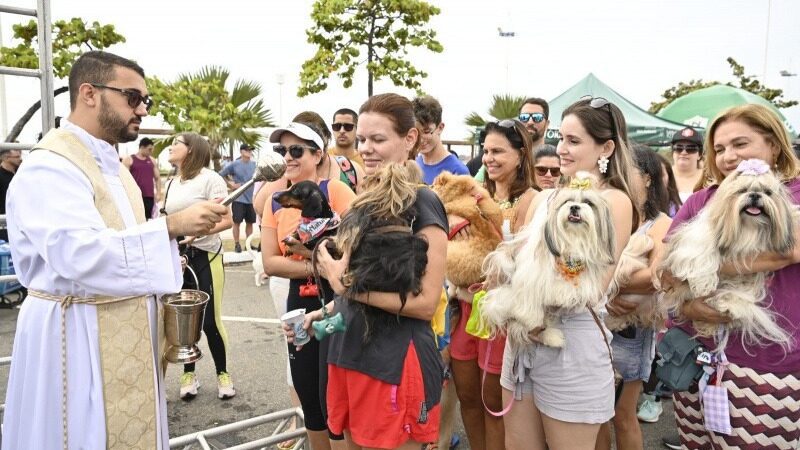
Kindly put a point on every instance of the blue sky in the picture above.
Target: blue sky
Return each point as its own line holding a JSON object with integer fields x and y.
{"x": 639, "y": 48}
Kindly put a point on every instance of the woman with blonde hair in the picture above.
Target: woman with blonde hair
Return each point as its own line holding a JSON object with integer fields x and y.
{"x": 194, "y": 182}
{"x": 761, "y": 382}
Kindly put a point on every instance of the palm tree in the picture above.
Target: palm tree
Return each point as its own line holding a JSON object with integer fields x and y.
{"x": 201, "y": 102}
{"x": 504, "y": 106}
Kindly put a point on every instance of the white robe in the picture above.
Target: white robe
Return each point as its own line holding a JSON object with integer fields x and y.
{"x": 60, "y": 245}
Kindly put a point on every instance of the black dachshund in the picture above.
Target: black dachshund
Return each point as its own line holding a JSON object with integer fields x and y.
{"x": 308, "y": 197}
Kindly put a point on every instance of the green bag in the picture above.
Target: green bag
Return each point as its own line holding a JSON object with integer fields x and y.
{"x": 677, "y": 368}
{"x": 475, "y": 324}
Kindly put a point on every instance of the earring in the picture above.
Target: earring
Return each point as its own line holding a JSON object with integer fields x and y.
{"x": 603, "y": 164}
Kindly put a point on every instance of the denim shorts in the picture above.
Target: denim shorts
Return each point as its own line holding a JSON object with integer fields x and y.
{"x": 633, "y": 356}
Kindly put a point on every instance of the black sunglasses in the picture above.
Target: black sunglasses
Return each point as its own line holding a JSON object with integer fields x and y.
{"x": 295, "y": 150}
{"x": 542, "y": 171}
{"x": 690, "y": 149}
{"x": 135, "y": 98}
{"x": 347, "y": 126}
{"x": 536, "y": 117}
{"x": 600, "y": 102}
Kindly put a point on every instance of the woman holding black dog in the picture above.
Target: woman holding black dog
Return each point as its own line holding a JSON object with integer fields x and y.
{"x": 285, "y": 256}
{"x": 194, "y": 182}
{"x": 385, "y": 373}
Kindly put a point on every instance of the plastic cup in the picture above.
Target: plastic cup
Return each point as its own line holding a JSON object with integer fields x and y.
{"x": 295, "y": 319}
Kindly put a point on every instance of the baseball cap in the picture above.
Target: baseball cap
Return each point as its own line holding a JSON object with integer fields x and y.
{"x": 300, "y": 130}
{"x": 245, "y": 147}
{"x": 688, "y": 134}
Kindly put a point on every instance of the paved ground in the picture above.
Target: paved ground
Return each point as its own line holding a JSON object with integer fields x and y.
{"x": 257, "y": 363}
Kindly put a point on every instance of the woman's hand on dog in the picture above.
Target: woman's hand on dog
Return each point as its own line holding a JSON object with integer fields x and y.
{"x": 534, "y": 334}
{"x": 697, "y": 309}
{"x": 296, "y": 247}
{"x": 332, "y": 269}
{"x": 619, "y": 307}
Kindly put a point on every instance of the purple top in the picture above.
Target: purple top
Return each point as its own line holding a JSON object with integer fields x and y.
{"x": 783, "y": 288}
{"x": 142, "y": 171}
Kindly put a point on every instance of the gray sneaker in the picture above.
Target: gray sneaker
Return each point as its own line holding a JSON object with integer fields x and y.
{"x": 650, "y": 410}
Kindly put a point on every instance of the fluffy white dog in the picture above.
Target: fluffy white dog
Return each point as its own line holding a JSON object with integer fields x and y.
{"x": 556, "y": 263}
{"x": 258, "y": 263}
{"x": 751, "y": 213}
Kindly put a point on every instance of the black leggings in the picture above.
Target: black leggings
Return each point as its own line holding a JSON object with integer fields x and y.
{"x": 208, "y": 265}
{"x": 309, "y": 366}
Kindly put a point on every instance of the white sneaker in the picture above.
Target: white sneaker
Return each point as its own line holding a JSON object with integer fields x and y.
{"x": 225, "y": 386}
{"x": 189, "y": 386}
{"x": 650, "y": 410}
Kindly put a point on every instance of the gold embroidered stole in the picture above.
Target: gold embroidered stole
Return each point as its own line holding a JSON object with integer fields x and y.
{"x": 126, "y": 351}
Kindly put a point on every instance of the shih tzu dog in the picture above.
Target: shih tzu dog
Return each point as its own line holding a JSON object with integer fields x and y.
{"x": 634, "y": 258}
{"x": 556, "y": 264}
{"x": 750, "y": 214}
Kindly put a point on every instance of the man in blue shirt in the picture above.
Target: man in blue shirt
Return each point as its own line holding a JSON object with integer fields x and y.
{"x": 236, "y": 174}
{"x": 433, "y": 158}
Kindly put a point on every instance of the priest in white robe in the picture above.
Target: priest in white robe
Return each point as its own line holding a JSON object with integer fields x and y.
{"x": 63, "y": 248}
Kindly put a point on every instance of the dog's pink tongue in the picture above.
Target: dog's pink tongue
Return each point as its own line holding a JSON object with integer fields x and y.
{"x": 753, "y": 211}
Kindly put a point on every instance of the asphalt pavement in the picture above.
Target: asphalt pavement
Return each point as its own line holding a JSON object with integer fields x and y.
{"x": 257, "y": 363}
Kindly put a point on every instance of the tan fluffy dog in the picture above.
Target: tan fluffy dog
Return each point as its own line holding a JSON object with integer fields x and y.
{"x": 464, "y": 199}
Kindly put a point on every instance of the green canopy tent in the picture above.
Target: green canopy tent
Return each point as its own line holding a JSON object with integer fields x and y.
{"x": 700, "y": 107}
{"x": 643, "y": 127}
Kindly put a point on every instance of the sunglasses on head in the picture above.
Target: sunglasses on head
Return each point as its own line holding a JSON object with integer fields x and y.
{"x": 536, "y": 117}
{"x": 296, "y": 150}
{"x": 542, "y": 171}
{"x": 688, "y": 148}
{"x": 600, "y": 102}
{"x": 347, "y": 126}
{"x": 135, "y": 98}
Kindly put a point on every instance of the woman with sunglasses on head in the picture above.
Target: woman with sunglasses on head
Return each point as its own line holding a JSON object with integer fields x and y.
{"x": 385, "y": 382}
{"x": 760, "y": 380}
{"x": 509, "y": 177}
{"x": 687, "y": 160}
{"x": 633, "y": 346}
{"x": 547, "y": 166}
{"x": 190, "y": 153}
{"x": 566, "y": 394}
{"x": 286, "y": 257}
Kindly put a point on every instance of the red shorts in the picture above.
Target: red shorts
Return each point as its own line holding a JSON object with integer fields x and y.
{"x": 379, "y": 414}
{"x": 466, "y": 347}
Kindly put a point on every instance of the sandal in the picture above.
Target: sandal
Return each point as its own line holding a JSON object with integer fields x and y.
{"x": 288, "y": 444}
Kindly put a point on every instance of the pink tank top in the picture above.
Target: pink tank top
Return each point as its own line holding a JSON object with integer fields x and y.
{"x": 142, "y": 171}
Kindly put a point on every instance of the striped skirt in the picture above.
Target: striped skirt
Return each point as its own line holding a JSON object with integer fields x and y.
{"x": 764, "y": 408}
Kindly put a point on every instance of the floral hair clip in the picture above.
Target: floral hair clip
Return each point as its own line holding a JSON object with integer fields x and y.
{"x": 753, "y": 167}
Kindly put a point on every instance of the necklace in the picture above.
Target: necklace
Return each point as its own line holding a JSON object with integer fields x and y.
{"x": 570, "y": 268}
{"x": 506, "y": 204}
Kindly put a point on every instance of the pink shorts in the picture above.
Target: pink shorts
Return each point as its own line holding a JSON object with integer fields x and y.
{"x": 466, "y": 347}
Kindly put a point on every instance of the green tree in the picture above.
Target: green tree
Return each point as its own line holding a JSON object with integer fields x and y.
{"x": 201, "y": 102}
{"x": 70, "y": 39}
{"x": 746, "y": 82}
{"x": 503, "y": 107}
{"x": 382, "y": 29}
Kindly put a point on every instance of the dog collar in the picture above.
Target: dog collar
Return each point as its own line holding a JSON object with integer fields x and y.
{"x": 570, "y": 268}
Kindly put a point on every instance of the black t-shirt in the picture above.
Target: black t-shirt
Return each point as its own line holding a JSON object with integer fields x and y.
{"x": 5, "y": 180}
{"x": 383, "y": 356}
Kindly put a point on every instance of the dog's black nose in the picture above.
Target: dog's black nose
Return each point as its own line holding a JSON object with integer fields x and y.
{"x": 574, "y": 209}
{"x": 754, "y": 197}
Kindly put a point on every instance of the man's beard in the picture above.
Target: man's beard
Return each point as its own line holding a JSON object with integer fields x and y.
{"x": 535, "y": 135}
{"x": 114, "y": 127}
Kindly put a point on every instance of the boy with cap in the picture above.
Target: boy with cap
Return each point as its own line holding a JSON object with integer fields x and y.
{"x": 235, "y": 174}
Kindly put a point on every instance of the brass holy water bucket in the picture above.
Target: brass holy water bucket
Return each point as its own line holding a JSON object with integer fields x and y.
{"x": 183, "y": 322}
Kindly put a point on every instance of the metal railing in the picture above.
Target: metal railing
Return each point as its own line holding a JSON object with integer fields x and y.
{"x": 277, "y": 436}
{"x": 45, "y": 70}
